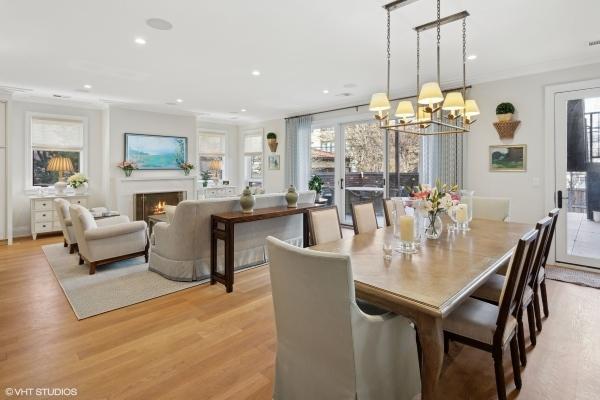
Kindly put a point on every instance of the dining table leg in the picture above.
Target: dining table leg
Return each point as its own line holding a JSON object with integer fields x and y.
{"x": 431, "y": 338}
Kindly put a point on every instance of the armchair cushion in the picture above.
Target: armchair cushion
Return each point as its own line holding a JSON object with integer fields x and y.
{"x": 114, "y": 230}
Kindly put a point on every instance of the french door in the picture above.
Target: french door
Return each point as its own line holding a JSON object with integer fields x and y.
{"x": 577, "y": 176}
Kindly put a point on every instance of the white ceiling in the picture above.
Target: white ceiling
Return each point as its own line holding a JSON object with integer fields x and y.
{"x": 300, "y": 46}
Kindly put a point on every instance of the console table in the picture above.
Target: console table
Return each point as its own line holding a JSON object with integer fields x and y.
{"x": 226, "y": 234}
{"x": 43, "y": 217}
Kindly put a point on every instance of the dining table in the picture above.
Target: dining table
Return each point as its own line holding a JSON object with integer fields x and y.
{"x": 428, "y": 285}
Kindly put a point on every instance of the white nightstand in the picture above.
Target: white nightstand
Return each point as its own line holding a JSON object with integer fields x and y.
{"x": 43, "y": 216}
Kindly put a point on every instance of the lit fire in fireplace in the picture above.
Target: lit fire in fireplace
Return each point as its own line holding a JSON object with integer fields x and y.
{"x": 159, "y": 208}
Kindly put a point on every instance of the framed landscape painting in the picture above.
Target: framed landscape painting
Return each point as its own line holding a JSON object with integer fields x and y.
{"x": 508, "y": 158}
{"x": 155, "y": 152}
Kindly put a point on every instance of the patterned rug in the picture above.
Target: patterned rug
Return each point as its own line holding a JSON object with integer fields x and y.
{"x": 114, "y": 286}
{"x": 583, "y": 278}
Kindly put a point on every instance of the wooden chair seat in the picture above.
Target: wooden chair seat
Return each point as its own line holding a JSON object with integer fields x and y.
{"x": 492, "y": 288}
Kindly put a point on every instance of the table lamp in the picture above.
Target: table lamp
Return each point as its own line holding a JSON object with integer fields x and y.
{"x": 215, "y": 166}
{"x": 61, "y": 165}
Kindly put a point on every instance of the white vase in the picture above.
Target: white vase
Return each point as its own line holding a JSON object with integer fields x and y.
{"x": 81, "y": 189}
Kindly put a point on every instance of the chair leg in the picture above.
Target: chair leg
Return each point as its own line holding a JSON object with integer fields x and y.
{"x": 71, "y": 249}
{"x": 514, "y": 356}
{"x": 499, "y": 369}
{"x": 446, "y": 344}
{"x": 65, "y": 243}
{"x": 531, "y": 320}
{"x": 544, "y": 298}
{"x": 521, "y": 339}
{"x": 93, "y": 268}
{"x": 80, "y": 260}
{"x": 538, "y": 313}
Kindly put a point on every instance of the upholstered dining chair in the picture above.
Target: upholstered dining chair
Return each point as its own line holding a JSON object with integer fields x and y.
{"x": 364, "y": 217}
{"x": 324, "y": 224}
{"x": 100, "y": 245}
{"x": 327, "y": 347}
{"x": 489, "y": 327}
{"x": 491, "y": 290}
{"x": 492, "y": 208}
{"x": 389, "y": 205}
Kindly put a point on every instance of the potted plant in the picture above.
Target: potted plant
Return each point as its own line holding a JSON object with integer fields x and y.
{"x": 78, "y": 182}
{"x": 205, "y": 178}
{"x": 316, "y": 184}
{"x": 127, "y": 166}
{"x": 504, "y": 112}
{"x": 272, "y": 141}
{"x": 187, "y": 167}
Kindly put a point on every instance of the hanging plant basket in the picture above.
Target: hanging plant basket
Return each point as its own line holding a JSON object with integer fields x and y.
{"x": 506, "y": 130}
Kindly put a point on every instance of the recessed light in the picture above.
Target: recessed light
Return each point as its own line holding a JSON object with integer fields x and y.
{"x": 88, "y": 87}
{"x": 256, "y": 72}
{"x": 140, "y": 40}
{"x": 243, "y": 110}
{"x": 325, "y": 91}
{"x": 159, "y": 23}
{"x": 472, "y": 57}
{"x": 179, "y": 101}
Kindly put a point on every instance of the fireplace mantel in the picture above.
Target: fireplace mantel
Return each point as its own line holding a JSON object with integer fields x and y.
{"x": 158, "y": 178}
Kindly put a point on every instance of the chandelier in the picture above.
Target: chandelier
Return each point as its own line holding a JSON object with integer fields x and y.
{"x": 435, "y": 114}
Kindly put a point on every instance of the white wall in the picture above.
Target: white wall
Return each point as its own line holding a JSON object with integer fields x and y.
{"x": 273, "y": 181}
{"x": 232, "y": 150}
{"x": 20, "y": 156}
{"x": 526, "y": 190}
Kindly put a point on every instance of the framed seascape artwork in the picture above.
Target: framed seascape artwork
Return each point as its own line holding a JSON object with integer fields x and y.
{"x": 508, "y": 158}
{"x": 274, "y": 162}
{"x": 155, "y": 152}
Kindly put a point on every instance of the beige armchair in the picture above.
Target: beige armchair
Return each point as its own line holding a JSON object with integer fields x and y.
{"x": 61, "y": 206}
{"x": 100, "y": 245}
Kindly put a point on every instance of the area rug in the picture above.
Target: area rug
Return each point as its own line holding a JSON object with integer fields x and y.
{"x": 578, "y": 277}
{"x": 114, "y": 286}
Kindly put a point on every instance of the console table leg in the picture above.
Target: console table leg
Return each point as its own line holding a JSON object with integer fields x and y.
{"x": 305, "y": 229}
{"x": 213, "y": 250}
{"x": 229, "y": 255}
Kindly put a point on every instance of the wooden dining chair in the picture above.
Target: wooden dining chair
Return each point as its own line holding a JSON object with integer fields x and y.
{"x": 541, "y": 278}
{"x": 389, "y": 205}
{"x": 489, "y": 327}
{"x": 324, "y": 224}
{"x": 364, "y": 218}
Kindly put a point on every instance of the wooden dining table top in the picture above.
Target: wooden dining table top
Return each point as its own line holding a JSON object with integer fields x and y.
{"x": 442, "y": 272}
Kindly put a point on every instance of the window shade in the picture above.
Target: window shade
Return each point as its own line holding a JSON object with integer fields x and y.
{"x": 253, "y": 144}
{"x": 56, "y": 133}
{"x": 210, "y": 144}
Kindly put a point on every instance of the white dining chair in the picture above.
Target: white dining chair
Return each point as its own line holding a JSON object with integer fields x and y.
{"x": 327, "y": 347}
{"x": 364, "y": 217}
{"x": 324, "y": 225}
{"x": 492, "y": 208}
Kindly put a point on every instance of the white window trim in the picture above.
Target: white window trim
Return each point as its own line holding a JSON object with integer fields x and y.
{"x": 83, "y": 162}
{"x": 213, "y": 132}
{"x": 253, "y": 132}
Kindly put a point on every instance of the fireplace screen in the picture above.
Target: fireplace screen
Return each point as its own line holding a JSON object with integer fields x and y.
{"x": 148, "y": 204}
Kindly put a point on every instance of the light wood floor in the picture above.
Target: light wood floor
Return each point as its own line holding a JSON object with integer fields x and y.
{"x": 205, "y": 344}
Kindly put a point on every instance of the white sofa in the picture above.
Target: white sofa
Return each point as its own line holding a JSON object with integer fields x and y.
{"x": 180, "y": 250}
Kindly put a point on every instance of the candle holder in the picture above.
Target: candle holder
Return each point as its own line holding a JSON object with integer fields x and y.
{"x": 405, "y": 232}
{"x": 462, "y": 226}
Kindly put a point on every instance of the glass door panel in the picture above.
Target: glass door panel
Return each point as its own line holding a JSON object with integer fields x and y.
{"x": 322, "y": 160}
{"x": 403, "y": 163}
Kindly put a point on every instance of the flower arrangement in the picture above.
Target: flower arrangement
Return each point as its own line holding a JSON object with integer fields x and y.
{"x": 77, "y": 180}
{"x": 127, "y": 167}
{"x": 186, "y": 167}
{"x": 205, "y": 175}
{"x": 435, "y": 200}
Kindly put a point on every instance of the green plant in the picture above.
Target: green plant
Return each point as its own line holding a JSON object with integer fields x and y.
{"x": 505, "y": 108}
{"x": 205, "y": 175}
{"x": 316, "y": 184}
{"x": 271, "y": 135}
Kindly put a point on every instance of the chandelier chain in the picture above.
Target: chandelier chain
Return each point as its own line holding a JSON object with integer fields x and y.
{"x": 418, "y": 62}
{"x": 464, "y": 53}
{"x": 439, "y": 38}
{"x": 389, "y": 51}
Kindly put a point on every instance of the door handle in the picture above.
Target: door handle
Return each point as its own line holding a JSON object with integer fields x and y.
{"x": 342, "y": 183}
{"x": 559, "y": 199}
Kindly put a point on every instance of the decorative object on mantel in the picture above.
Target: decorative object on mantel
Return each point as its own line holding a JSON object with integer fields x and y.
{"x": 187, "y": 167}
{"x": 273, "y": 162}
{"x": 436, "y": 113}
{"x": 291, "y": 197}
{"x": 79, "y": 182}
{"x": 127, "y": 166}
{"x": 61, "y": 165}
{"x": 505, "y": 111}
{"x": 508, "y": 158}
{"x": 316, "y": 184}
{"x": 205, "y": 178}
{"x": 272, "y": 141}
{"x": 247, "y": 201}
{"x": 506, "y": 130}
{"x": 435, "y": 201}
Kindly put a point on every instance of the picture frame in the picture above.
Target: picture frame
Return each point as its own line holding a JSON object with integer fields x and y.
{"x": 508, "y": 158}
{"x": 155, "y": 152}
{"x": 225, "y": 183}
{"x": 274, "y": 162}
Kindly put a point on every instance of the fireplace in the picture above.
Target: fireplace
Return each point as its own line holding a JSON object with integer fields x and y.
{"x": 147, "y": 204}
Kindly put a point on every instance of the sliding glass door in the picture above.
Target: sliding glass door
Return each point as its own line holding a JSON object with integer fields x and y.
{"x": 323, "y": 160}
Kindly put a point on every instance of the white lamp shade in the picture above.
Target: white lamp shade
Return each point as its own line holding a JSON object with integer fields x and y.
{"x": 423, "y": 116}
{"x": 430, "y": 94}
{"x": 60, "y": 164}
{"x": 471, "y": 108}
{"x": 405, "y": 109}
{"x": 379, "y": 102}
{"x": 454, "y": 101}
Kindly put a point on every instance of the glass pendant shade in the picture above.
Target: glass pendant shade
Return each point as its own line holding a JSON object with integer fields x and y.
{"x": 454, "y": 101}
{"x": 471, "y": 108}
{"x": 430, "y": 94}
{"x": 379, "y": 102}
{"x": 405, "y": 110}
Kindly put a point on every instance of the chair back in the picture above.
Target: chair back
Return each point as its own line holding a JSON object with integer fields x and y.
{"x": 62, "y": 210}
{"x": 324, "y": 224}
{"x": 364, "y": 217}
{"x": 514, "y": 284}
{"x": 543, "y": 228}
{"x": 313, "y": 293}
{"x": 492, "y": 208}
{"x": 389, "y": 205}
{"x": 554, "y": 215}
{"x": 170, "y": 213}
{"x": 82, "y": 220}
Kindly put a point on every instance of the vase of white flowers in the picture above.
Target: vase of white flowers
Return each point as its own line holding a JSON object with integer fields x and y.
{"x": 435, "y": 201}
{"x": 78, "y": 182}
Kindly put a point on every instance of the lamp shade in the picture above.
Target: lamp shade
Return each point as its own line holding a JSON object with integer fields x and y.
{"x": 405, "y": 109}
{"x": 471, "y": 108}
{"x": 215, "y": 165}
{"x": 430, "y": 93}
{"x": 379, "y": 102}
{"x": 60, "y": 164}
{"x": 454, "y": 101}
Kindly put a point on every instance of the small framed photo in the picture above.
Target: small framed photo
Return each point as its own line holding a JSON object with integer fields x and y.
{"x": 274, "y": 162}
{"x": 508, "y": 158}
{"x": 225, "y": 183}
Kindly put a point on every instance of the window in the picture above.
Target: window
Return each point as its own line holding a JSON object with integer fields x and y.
{"x": 253, "y": 159}
{"x": 52, "y": 137}
{"x": 211, "y": 154}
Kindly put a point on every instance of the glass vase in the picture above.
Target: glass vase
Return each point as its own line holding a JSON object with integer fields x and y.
{"x": 433, "y": 225}
{"x": 127, "y": 172}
